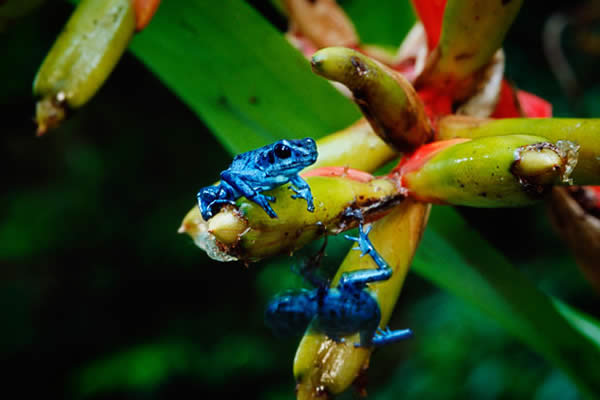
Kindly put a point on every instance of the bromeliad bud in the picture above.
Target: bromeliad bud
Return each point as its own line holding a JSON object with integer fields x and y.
{"x": 323, "y": 367}
{"x": 356, "y": 147}
{"x": 385, "y": 97}
{"x": 246, "y": 232}
{"x": 585, "y": 133}
{"x": 82, "y": 57}
{"x": 502, "y": 171}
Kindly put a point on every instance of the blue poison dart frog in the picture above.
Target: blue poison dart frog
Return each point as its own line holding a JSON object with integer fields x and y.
{"x": 258, "y": 170}
{"x": 344, "y": 310}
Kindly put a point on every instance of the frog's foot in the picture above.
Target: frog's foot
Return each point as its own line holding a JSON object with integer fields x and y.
{"x": 263, "y": 201}
{"x": 305, "y": 194}
{"x": 209, "y": 210}
{"x": 385, "y": 336}
{"x": 364, "y": 243}
{"x": 388, "y": 336}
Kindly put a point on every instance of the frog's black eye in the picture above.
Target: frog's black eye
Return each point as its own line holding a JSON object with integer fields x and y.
{"x": 282, "y": 151}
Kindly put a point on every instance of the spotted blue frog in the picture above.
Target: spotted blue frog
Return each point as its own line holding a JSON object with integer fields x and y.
{"x": 258, "y": 170}
{"x": 343, "y": 310}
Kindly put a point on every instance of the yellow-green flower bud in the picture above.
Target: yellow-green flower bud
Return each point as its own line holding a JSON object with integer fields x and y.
{"x": 385, "y": 97}
{"x": 246, "y": 231}
{"x": 323, "y": 367}
{"x": 500, "y": 171}
{"x": 82, "y": 57}
{"x": 585, "y": 133}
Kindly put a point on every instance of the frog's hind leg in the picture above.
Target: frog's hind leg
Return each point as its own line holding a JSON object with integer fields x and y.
{"x": 360, "y": 278}
{"x": 388, "y": 336}
{"x": 366, "y": 247}
{"x": 212, "y": 198}
{"x": 382, "y": 337}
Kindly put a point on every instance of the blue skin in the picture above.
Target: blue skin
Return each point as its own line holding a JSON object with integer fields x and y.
{"x": 344, "y": 310}
{"x": 258, "y": 170}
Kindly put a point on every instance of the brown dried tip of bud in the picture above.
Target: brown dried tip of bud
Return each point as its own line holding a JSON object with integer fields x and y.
{"x": 49, "y": 113}
{"x": 541, "y": 164}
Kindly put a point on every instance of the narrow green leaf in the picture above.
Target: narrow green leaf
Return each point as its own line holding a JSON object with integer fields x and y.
{"x": 239, "y": 74}
{"x": 382, "y": 22}
{"x": 455, "y": 257}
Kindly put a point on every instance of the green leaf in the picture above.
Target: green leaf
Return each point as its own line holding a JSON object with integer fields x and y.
{"x": 239, "y": 74}
{"x": 455, "y": 257}
{"x": 381, "y": 23}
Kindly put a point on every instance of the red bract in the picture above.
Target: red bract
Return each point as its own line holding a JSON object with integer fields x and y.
{"x": 431, "y": 13}
{"x": 514, "y": 103}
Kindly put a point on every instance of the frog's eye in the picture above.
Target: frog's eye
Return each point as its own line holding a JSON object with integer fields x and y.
{"x": 282, "y": 151}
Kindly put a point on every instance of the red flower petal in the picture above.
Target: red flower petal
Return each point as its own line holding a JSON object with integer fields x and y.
{"x": 431, "y": 14}
{"x": 518, "y": 103}
{"x": 534, "y": 106}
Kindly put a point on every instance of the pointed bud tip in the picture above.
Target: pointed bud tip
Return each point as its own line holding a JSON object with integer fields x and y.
{"x": 227, "y": 226}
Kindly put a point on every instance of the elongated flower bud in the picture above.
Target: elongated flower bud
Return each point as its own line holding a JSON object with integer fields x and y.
{"x": 584, "y": 132}
{"x": 502, "y": 171}
{"x": 323, "y": 367}
{"x": 472, "y": 32}
{"x": 82, "y": 57}
{"x": 356, "y": 147}
{"x": 385, "y": 97}
{"x": 246, "y": 231}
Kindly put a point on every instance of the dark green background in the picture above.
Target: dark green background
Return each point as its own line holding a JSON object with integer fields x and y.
{"x": 100, "y": 298}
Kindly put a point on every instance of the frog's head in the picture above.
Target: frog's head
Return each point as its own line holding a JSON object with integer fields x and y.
{"x": 288, "y": 157}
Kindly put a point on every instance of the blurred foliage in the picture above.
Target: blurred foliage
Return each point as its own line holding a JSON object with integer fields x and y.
{"x": 101, "y": 298}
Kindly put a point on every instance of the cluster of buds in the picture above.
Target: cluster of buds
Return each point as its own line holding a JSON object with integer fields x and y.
{"x": 437, "y": 107}
{"x": 447, "y": 159}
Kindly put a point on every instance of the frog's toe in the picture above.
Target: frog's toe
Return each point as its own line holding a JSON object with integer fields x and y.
{"x": 270, "y": 211}
{"x": 310, "y": 207}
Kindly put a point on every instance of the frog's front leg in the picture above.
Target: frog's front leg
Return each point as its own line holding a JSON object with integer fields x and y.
{"x": 246, "y": 190}
{"x": 212, "y": 198}
{"x": 302, "y": 190}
